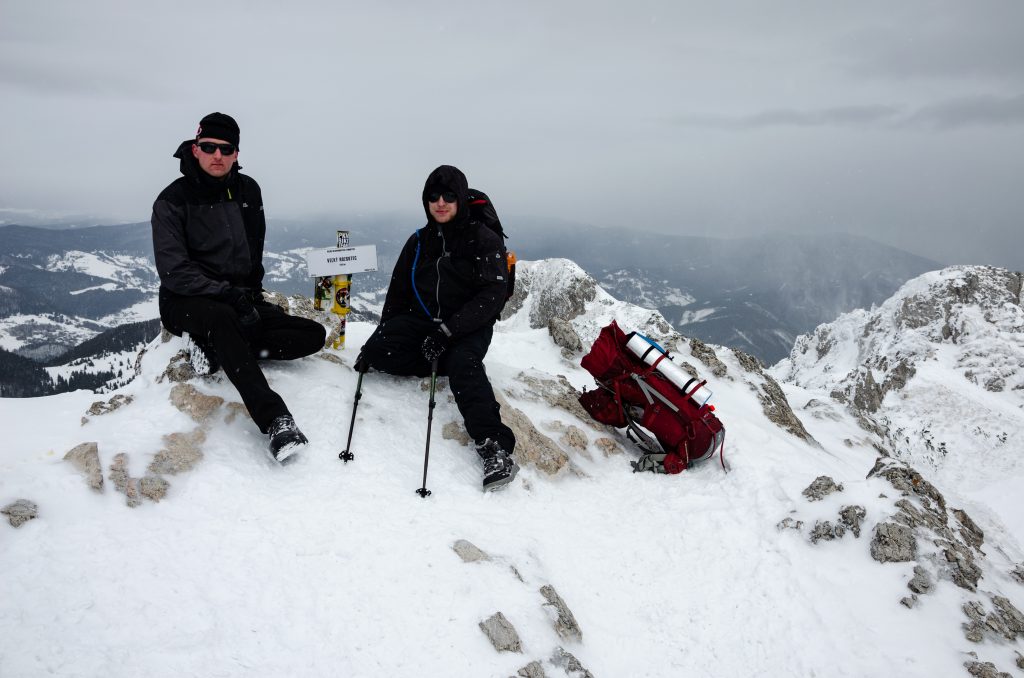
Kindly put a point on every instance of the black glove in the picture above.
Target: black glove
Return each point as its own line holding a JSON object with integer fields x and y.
{"x": 362, "y": 365}
{"x": 256, "y": 297}
{"x": 241, "y": 302}
{"x": 434, "y": 345}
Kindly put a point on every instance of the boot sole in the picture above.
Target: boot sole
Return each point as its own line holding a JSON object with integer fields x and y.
{"x": 287, "y": 451}
{"x": 502, "y": 482}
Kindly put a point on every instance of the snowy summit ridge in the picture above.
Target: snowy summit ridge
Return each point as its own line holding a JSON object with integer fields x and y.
{"x": 794, "y": 563}
{"x": 939, "y": 368}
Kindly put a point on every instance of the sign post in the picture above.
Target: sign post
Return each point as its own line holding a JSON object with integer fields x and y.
{"x": 342, "y": 292}
{"x": 332, "y": 270}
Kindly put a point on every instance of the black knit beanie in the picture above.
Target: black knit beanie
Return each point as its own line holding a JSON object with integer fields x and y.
{"x": 219, "y": 126}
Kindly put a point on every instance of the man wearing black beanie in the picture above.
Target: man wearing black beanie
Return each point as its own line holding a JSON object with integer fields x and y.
{"x": 208, "y": 232}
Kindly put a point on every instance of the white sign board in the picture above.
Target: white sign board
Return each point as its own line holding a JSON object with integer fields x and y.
{"x": 340, "y": 260}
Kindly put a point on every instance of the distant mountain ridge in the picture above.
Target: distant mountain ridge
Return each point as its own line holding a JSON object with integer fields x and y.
{"x": 62, "y": 286}
{"x": 757, "y": 294}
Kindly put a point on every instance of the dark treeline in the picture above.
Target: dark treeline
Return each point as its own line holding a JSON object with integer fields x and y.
{"x": 121, "y": 338}
{"x": 22, "y": 377}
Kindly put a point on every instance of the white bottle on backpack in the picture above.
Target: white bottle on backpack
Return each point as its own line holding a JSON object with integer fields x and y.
{"x": 649, "y": 351}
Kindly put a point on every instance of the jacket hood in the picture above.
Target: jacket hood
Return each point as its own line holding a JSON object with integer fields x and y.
{"x": 448, "y": 178}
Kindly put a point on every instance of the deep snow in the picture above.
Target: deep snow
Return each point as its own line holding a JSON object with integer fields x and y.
{"x": 320, "y": 568}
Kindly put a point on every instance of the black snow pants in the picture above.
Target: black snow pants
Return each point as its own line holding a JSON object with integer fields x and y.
{"x": 396, "y": 348}
{"x": 277, "y": 336}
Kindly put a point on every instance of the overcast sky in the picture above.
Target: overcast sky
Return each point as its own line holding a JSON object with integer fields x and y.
{"x": 902, "y": 121}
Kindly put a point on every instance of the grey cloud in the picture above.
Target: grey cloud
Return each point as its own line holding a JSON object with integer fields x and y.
{"x": 953, "y": 113}
{"x": 970, "y": 111}
{"x": 841, "y": 116}
{"x": 960, "y": 42}
{"x": 57, "y": 75}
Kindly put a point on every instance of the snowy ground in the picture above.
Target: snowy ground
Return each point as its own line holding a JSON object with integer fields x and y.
{"x": 320, "y": 568}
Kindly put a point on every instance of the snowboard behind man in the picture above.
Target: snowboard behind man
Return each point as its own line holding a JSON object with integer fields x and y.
{"x": 208, "y": 231}
{"x": 446, "y": 292}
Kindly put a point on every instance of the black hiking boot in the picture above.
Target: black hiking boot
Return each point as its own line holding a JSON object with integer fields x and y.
{"x": 499, "y": 466}
{"x": 285, "y": 437}
{"x": 200, "y": 356}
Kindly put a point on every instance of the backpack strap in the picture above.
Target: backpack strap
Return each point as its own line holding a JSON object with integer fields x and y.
{"x": 648, "y": 391}
{"x": 655, "y": 463}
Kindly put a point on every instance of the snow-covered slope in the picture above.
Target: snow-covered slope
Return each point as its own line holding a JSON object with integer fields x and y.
{"x": 939, "y": 368}
{"x": 321, "y": 568}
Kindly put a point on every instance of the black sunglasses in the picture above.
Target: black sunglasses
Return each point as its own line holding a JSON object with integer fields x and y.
{"x": 210, "y": 148}
{"x": 449, "y": 196}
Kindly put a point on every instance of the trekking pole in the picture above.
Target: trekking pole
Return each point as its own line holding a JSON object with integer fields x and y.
{"x": 423, "y": 491}
{"x": 345, "y": 455}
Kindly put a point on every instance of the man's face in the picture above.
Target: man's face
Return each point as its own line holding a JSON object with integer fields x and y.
{"x": 441, "y": 209}
{"x": 212, "y": 160}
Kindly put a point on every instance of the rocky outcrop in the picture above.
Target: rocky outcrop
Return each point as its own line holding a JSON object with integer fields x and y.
{"x": 826, "y": 530}
{"x": 454, "y": 430}
{"x": 86, "y": 459}
{"x": 532, "y": 670}
{"x": 195, "y": 404}
{"x": 570, "y": 664}
{"x": 533, "y": 448}
{"x": 1003, "y": 621}
{"x": 556, "y": 392}
{"x": 574, "y": 437}
{"x": 565, "y": 337}
{"x": 20, "y": 512}
{"x": 180, "y": 454}
{"x": 608, "y": 446}
{"x": 851, "y": 517}
{"x": 773, "y": 401}
{"x": 153, "y": 488}
{"x": 277, "y": 299}
{"x": 150, "y": 487}
{"x": 985, "y": 670}
{"x": 469, "y": 551}
{"x": 954, "y": 540}
{"x": 893, "y": 543}
{"x": 501, "y": 633}
{"x": 789, "y": 523}
{"x": 554, "y": 288}
{"x": 116, "y": 402}
{"x": 921, "y": 582}
{"x": 565, "y": 622}
{"x": 821, "y": 488}
{"x": 123, "y": 482}
{"x": 707, "y": 355}
{"x": 179, "y": 369}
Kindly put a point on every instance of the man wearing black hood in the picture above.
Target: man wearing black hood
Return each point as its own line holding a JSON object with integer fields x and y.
{"x": 208, "y": 231}
{"x": 446, "y": 292}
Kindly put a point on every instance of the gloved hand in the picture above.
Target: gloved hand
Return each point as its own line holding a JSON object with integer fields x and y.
{"x": 434, "y": 345}
{"x": 256, "y": 296}
{"x": 241, "y": 302}
{"x": 362, "y": 365}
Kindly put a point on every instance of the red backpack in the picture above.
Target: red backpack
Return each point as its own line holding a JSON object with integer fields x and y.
{"x": 640, "y": 386}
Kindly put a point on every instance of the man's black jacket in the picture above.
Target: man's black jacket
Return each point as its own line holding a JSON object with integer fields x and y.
{"x": 454, "y": 272}
{"x": 208, "y": 233}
